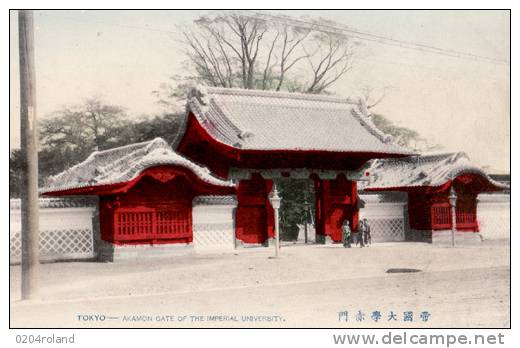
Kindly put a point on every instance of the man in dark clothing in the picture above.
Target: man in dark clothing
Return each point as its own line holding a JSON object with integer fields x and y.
{"x": 366, "y": 233}
{"x": 360, "y": 234}
{"x": 346, "y": 234}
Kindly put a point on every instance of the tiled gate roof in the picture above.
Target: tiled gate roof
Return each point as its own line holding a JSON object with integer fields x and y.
{"x": 123, "y": 164}
{"x": 266, "y": 120}
{"x": 425, "y": 170}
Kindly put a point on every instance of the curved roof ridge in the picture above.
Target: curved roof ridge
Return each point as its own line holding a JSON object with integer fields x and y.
{"x": 101, "y": 154}
{"x": 362, "y": 115}
{"x": 175, "y": 159}
{"x": 277, "y": 94}
{"x": 140, "y": 150}
{"x": 234, "y": 130}
{"x": 127, "y": 167}
{"x": 200, "y": 103}
{"x": 443, "y": 154}
{"x": 431, "y": 169}
{"x": 124, "y": 147}
{"x": 279, "y": 121}
{"x": 471, "y": 168}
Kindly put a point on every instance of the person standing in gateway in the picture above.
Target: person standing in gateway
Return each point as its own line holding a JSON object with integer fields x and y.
{"x": 360, "y": 239}
{"x": 367, "y": 238}
{"x": 346, "y": 234}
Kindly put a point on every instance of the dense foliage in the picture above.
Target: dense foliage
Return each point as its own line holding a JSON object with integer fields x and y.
{"x": 297, "y": 206}
{"x": 70, "y": 135}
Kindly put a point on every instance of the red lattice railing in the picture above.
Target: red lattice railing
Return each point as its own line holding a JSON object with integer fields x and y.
{"x": 466, "y": 216}
{"x": 145, "y": 223}
{"x": 441, "y": 216}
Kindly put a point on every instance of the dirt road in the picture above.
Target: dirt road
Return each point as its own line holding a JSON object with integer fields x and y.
{"x": 308, "y": 286}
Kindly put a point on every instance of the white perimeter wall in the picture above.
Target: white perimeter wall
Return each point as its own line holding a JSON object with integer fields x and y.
{"x": 65, "y": 232}
{"x": 493, "y": 213}
{"x": 386, "y": 219}
{"x": 213, "y": 227}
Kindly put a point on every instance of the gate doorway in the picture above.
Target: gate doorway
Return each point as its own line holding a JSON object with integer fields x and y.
{"x": 320, "y": 200}
{"x": 297, "y": 211}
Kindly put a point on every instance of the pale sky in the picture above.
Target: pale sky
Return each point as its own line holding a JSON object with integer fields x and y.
{"x": 460, "y": 104}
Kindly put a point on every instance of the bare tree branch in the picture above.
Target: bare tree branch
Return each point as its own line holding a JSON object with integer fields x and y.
{"x": 268, "y": 67}
{"x": 287, "y": 49}
{"x": 233, "y": 49}
{"x": 367, "y": 95}
{"x": 335, "y": 52}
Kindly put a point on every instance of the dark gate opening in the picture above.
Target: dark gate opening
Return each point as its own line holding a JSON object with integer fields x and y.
{"x": 297, "y": 210}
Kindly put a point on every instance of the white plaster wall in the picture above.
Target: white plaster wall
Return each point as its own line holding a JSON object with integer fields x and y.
{"x": 65, "y": 233}
{"x": 386, "y": 219}
{"x": 493, "y": 212}
{"x": 213, "y": 227}
{"x": 56, "y": 218}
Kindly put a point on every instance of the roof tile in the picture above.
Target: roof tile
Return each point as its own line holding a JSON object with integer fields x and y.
{"x": 425, "y": 170}
{"x": 123, "y": 164}
{"x": 266, "y": 120}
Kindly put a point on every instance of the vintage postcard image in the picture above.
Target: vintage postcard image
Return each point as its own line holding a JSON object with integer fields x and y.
{"x": 260, "y": 169}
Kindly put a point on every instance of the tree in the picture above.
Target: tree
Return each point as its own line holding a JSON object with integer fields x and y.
{"x": 402, "y": 135}
{"x": 15, "y": 170}
{"x": 335, "y": 59}
{"x": 293, "y": 210}
{"x": 246, "y": 51}
{"x": 165, "y": 126}
{"x": 172, "y": 93}
{"x": 93, "y": 125}
{"x": 75, "y": 132}
{"x": 70, "y": 134}
{"x": 226, "y": 48}
{"x": 367, "y": 94}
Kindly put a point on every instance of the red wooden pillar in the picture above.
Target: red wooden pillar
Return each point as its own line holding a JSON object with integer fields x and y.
{"x": 336, "y": 200}
{"x": 354, "y": 217}
{"x": 320, "y": 207}
{"x": 254, "y": 214}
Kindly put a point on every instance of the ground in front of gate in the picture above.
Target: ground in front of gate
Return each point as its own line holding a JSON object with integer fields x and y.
{"x": 307, "y": 286}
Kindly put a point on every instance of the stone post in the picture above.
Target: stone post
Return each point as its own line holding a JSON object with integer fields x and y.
{"x": 453, "y": 206}
{"x": 275, "y": 203}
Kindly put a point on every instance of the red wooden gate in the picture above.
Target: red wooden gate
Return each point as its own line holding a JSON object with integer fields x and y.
{"x": 153, "y": 224}
{"x": 441, "y": 216}
{"x": 335, "y": 202}
{"x": 466, "y": 215}
{"x": 251, "y": 222}
{"x": 254, "y": 214}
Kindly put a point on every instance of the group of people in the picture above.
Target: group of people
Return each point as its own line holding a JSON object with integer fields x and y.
{"x": 362, "y": 237}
